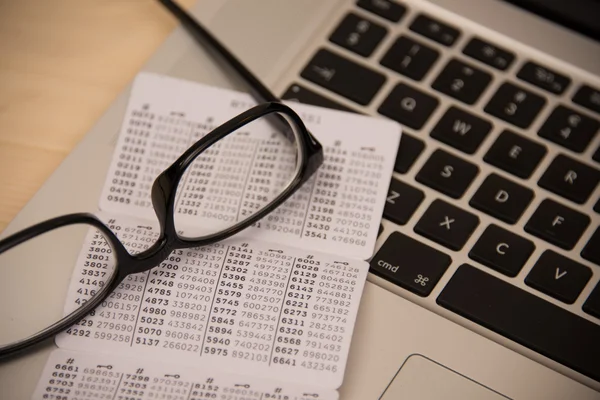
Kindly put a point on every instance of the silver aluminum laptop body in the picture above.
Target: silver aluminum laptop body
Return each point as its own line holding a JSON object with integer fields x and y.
{"x": 404, "y": 346}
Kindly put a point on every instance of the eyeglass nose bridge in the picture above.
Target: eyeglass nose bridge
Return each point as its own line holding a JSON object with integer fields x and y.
{"x": 151, "y": 257}
{"x": 163, "y": 188}
{"x": 162, "y": 192}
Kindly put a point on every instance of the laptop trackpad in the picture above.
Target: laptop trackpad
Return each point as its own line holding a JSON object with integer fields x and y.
{"x": 424, "y": 379}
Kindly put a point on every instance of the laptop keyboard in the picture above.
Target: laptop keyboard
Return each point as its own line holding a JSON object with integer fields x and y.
{"x": 421, "y": 247}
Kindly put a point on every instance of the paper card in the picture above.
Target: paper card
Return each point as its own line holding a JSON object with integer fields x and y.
{"x": 240, "y": 306}
{"x": 336, "y": 212}
{"x": 84, "y": 376}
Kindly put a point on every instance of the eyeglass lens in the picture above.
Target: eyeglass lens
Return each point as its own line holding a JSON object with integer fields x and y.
{"x": 237, "y": 177}
{"x": 37, "y": 274}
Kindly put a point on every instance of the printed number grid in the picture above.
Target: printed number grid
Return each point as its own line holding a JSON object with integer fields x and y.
{"x": 337, "y": 211}
{"x": 230, "y": 179}
{"x": 255, "y": 305}
{"x": 75, "y": 376}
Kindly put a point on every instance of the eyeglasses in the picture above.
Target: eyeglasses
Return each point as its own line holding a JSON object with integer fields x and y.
{"x": 278, "y": 131}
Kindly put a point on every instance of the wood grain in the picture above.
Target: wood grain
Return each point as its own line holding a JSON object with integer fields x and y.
{"x": 62, "y": 62}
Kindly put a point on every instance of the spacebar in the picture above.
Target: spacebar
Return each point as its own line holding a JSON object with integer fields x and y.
{"x": 524, "y": 318}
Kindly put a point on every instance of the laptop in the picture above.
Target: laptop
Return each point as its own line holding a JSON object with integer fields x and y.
{"x": 485, "y": 280}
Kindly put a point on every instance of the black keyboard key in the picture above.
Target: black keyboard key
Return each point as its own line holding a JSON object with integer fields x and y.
{"x": 448, "y": 174}
{"x": 557, "y": 224}
{"x": 408, "y": 106}
{"x": 591, "y": 251}
{"x": 410, "y": 58}
{"x": 515, "y": 105}
{"x": 409, "y": 264}
{"x": 384, "y": 8}
{"x": 569, "y": 128}
{"x": 489, "y": 54}
{"x": 401, "y": 202}
{"x": 515, "y": 154}
{"x": 343, "y": 77}
{"x": 502, "y": 198}
{"x": 570, "y": 179}
{"x": 502, "y": 250}
{"x": 462, "y": 81}
{"x": 544, "y": 78}
{"x": 588, "y": 97}
{"x": 447, "y": 225}
{"x": 435, "y": 30}
{"x": 592, "y": 304}
{"x": 525, "y": 318}
{"x": 303, "y": 95}
{"x": 358, "y": 35}
{"x": 461, "y": 130}
{"x": 596, "y": 155}
{"x": 410, "y": 149}
{"x": 597, "y": 206}
{"x": 558, "y": 276}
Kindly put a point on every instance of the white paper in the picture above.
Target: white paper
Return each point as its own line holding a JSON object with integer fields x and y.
{"x": 237, "y": 306}
{"x": 337, "y": 212}
{"x": 83, "y": 376}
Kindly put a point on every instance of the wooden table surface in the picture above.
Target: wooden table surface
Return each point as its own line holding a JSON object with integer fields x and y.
{"x": 62, "y": 62}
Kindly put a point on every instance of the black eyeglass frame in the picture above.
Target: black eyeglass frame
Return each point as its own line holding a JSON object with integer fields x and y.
{"x": 163, "y": 194}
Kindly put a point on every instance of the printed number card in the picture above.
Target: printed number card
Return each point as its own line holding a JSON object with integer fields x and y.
{"x": 276, "y": 304}
{"x": 237, "y": 306}
{"x": 338, "y": 211}
{"x": 74, "y": 375}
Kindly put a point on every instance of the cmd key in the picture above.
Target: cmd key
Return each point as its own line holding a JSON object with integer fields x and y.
{"x": 343, "y": 76}
{"x": 409, "y": 264}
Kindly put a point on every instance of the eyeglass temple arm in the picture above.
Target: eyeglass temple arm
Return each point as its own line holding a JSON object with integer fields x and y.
{"x": 206, "y": 39}
{"x": 257, "y": 89}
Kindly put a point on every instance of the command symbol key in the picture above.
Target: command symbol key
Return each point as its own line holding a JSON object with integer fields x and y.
{"x": 410, "y": 264}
